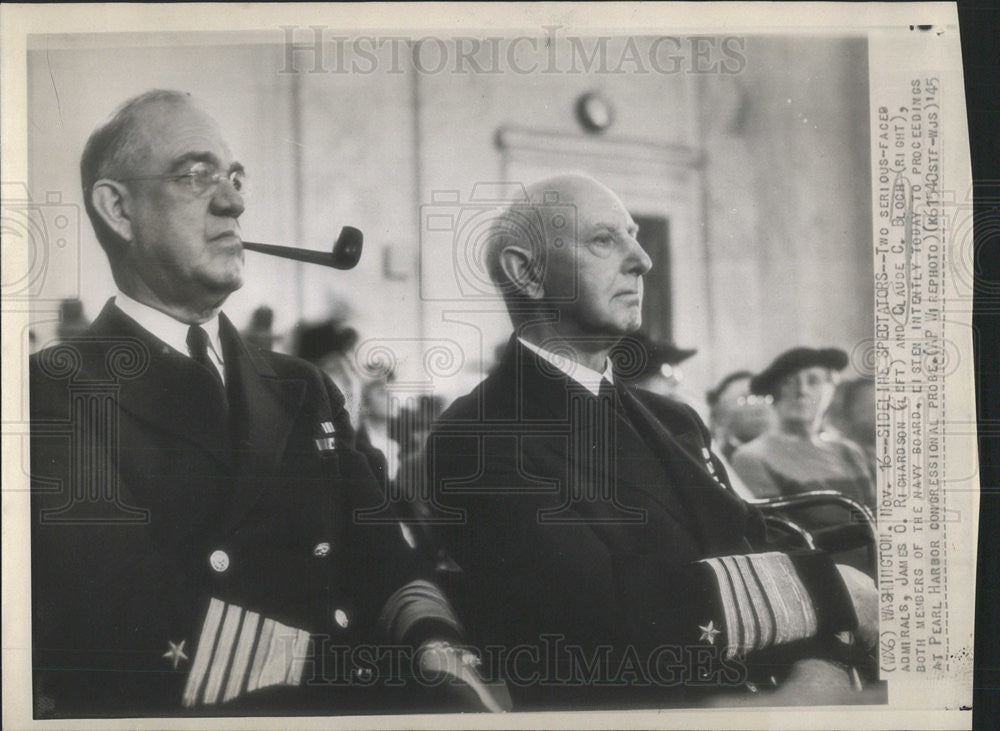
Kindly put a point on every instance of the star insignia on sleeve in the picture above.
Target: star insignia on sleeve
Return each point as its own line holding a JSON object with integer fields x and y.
{"x": 176, "y": 652}
{"x": 709, "y": 632}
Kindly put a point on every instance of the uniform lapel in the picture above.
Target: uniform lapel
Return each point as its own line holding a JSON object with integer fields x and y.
{"x": 546, "y": 394}
{"x": 169, "y": 391}
{"x": 647, "y": 453}
{"x": 682, "y": 462}
{"x": 719, "y": 516}
{"x": 647, "y": 468}
{"x": 264, "y": 409}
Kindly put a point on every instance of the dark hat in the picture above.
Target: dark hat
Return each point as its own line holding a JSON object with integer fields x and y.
{"x": 766, "y": 382}
{"x": 637, "y": 356}
{"x": 262, "y": 318}
{"x": 71, "y": 310}
{"x": 259, "y": 330}
{"x": 315, "y": 342}
{"x": 712, "y": 395}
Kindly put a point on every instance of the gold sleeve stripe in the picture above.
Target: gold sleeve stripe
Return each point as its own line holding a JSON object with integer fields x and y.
{"x": 730, "y": 619}
{"x": 762, "y": 608}
{"x": 241, "y": 659}
{"x": 807, "y": 623}
{"x": 279, "y": 656}
{"x": 230, "y": 636}
{"x": 263, "y": 645}
{"x": 223, "y": 653}
{"x": 744, "y": 604}
{"x": 299, "y": 652}
{"x": 763, "y": 600}
{"x": 203, "y": 655}
{"x": 769, "y": 588}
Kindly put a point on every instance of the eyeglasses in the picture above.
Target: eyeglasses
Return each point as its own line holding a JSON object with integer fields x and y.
{"x": 755, "y": 400}
{"x": 203, "y": 178}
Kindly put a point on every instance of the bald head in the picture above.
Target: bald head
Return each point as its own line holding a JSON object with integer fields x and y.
{"x": 570, "y": 246}
{"x": 548, "y": 216}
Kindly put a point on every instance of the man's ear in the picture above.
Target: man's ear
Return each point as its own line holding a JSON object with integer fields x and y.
{"x": 112, "y": 203}
{"x": 522, "y": 272}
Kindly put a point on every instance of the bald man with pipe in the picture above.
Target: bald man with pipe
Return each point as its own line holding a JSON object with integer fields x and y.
{"x": 603, "y": 548}
{"x": 198, "y": 543}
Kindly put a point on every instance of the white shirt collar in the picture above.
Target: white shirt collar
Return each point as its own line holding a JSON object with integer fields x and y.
{"x": 586, "y": 377}
{"x": 172, "y": 332}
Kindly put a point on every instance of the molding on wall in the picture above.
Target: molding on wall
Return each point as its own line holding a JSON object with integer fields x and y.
{"x": 614, "y": 152}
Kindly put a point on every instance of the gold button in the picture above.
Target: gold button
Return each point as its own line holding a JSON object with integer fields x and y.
{"x": 219, "y": 560}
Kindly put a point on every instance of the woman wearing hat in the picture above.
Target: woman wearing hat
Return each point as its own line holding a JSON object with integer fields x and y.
{"x": 794, "y": 455}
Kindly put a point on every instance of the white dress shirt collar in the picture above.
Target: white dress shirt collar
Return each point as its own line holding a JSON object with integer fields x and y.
{"x": 586, "y": 377}
{"x": 172, "y": 332}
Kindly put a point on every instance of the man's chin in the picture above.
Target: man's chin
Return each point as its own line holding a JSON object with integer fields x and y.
{"x": 223, "y": 286}
{"x": 626, "y": 327}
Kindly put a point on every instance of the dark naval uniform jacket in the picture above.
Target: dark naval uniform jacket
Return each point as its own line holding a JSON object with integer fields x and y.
{"x": 603, "y": 549}
{"x": 199, "y": 550}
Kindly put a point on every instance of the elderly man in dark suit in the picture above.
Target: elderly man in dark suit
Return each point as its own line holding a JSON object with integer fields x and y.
{"x": 196, "y": 541}
{"x": 606, "y": 559}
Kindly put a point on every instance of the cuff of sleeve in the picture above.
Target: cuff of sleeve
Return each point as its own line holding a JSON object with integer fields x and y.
{"x": 819, "y": 576}
{"x": 433, "y": 629}
{"x": 764, "y": 602}
{"x": 411, "y": 608}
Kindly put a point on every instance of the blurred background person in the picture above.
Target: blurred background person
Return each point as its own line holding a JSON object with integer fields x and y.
{"x": 330, "y": 346}
{"x": 655, "y": 366}
{"x": 737, "y": 416}
{"x": 794, "y": 456}
{"x": 260, "y": 329}
{"x": 397, "y": 424}
{"x": 409, "y": 428}
{"x": 72, "y": 321}
{"x": 412, "y": 425}
{"x": 376, "y": 418}
{"x": 853, "y": 414}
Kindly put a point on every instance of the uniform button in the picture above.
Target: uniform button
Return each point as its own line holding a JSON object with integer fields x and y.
{"x": 219, "y": 560}
{"x": 341, "y": 618}
{"x": 321, "y": 549}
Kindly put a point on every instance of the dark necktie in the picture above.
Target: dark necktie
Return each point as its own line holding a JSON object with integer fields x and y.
{"x": 608, "y": 406}
{"x": 614, "y": 403}
{"x": 197, "y": 342}
{"x": 611, "y": 401}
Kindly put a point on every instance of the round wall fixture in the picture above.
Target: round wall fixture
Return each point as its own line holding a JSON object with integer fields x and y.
{"x": 594, "y": 112}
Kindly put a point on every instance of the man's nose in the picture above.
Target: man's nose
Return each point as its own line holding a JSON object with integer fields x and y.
{"x": 637, "y": 260}
{"x": 226, "y": 200}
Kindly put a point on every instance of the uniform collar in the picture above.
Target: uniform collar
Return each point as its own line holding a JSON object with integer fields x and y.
{"x": 586, "y": 377}
{"x": 166, "y": 328}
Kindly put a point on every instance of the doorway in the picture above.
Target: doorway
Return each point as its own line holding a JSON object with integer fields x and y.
{"x": 657, "y": 310}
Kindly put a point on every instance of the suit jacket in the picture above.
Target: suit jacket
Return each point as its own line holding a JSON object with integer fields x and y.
{"x": 591, "y": 531}
{"x": 162, "y": 521}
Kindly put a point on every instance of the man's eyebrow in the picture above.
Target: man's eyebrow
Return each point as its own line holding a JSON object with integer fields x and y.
{"x": 600, "y": 227}
{"x": 603, "y": 227}
{"x": 191, "y": 157}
